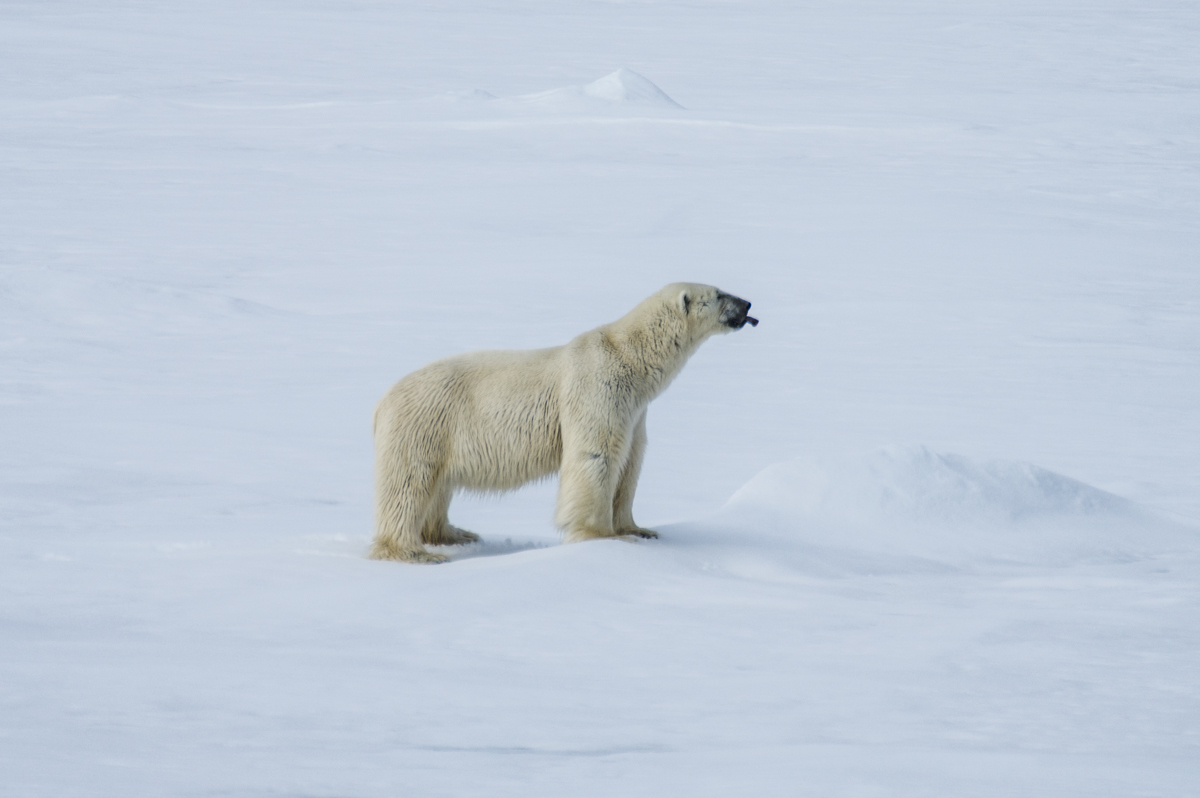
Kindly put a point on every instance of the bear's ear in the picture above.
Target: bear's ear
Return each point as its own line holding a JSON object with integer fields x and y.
{"x": 685, "y": 302}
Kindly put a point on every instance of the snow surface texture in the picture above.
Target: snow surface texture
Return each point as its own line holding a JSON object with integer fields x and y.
{"x": 226, "y": 228}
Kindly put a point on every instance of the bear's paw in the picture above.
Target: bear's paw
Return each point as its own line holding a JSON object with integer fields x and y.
{"x": 389, "y": 552}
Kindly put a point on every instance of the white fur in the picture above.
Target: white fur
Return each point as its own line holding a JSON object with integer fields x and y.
{"x": 493, "y": 421}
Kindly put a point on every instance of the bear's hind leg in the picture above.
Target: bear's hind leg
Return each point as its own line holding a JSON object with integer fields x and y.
{"x": 437, "y": 530}
{"x": 402, "y": 501}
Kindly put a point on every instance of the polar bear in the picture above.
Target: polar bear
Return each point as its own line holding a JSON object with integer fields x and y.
{"x": 493, "y": 421}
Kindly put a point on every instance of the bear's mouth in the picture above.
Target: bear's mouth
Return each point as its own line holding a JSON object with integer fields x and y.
{"x": 753, "y": 322}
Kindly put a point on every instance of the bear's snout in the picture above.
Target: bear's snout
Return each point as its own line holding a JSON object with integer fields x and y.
{"x": 733, "y": 312}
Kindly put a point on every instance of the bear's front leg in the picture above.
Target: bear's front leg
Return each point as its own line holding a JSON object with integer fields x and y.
{"x": 586, "y": 484}
{"x": 597, "y": 423}
{"x": 623, "y": 523}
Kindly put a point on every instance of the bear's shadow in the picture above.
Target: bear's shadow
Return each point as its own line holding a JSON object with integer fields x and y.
{"x": 492, "y": 548}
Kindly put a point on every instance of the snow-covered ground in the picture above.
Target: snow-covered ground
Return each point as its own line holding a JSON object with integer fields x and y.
{"x": 970, "y": 232}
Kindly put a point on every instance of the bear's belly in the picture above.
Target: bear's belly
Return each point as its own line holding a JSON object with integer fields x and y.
{"x": 503, "y": 447}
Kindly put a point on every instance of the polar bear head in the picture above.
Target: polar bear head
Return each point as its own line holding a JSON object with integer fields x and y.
{"x": 665, "y": 329}
{"x": 679, "y": 317}
{"x": 707, "y": 310}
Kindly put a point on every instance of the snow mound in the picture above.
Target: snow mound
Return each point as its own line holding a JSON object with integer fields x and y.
{"x": 469, "y": 96}
{"x": 623, "y": 87}
{"x": 914, "y": 502}
{"x": 627, "y": 86}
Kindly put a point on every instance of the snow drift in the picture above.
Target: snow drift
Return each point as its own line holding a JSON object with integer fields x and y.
{"x": 621, "y": 88}
{"x": 914, "y": 502}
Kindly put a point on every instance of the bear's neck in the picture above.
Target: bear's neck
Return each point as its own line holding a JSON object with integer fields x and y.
{"x": 653, "y": 349}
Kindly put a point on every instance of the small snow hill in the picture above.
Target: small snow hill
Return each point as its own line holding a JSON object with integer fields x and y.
{"x": 619, "y": 89}
{"x": 910, "y": 508}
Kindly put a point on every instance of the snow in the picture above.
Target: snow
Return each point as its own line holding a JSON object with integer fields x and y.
{"x": 910, "y": 501}
{"x": 621, "y": 88}
{"x": 226, "y": 228}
